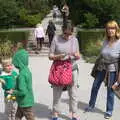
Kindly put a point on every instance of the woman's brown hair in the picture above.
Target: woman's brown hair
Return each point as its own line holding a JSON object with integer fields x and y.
{"x": 68, "y": 26}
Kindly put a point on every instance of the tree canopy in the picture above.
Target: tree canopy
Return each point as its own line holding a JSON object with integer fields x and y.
{"x": 86, "y": 13}
{"x": 19, "y": 13}
{"x": 100, "y": 11}
{"x": 92, "y": 13}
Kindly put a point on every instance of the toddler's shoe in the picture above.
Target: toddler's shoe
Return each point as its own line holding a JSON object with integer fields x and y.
{"x": 8, "y": 97}
{"x": 13, "y": 98}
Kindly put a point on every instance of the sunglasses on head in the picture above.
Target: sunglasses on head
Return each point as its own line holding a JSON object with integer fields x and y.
{"x": 111, "y": 27}
{"x": 66, "y": 33}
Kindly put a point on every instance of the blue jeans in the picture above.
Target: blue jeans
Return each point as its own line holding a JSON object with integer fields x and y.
{"x": 110, "y": 94}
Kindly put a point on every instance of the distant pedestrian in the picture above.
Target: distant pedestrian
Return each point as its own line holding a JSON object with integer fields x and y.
{"x": 55, "y": 12}
{"x": 39, "y": 35}
{"x": 50, "y": 31}
{"x": 107, "y": 68}
{"x": 23, "y": 90}
{"x": 65, "y": 12}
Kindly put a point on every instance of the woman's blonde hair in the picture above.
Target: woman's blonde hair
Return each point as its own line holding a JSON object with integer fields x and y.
{"x": 115, "y": 25}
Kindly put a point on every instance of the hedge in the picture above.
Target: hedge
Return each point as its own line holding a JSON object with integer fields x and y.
{"x": 90, "y": 41}
{"x": 14, "y": 36}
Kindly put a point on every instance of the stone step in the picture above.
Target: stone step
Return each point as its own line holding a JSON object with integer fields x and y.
{"x": 43, "y": 52}
{"x": 38, "y": 53}
{"x": 31, "y": 45}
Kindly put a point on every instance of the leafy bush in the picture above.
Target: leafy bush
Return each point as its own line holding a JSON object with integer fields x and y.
{"x": 8, "y": 13}
{"x": 5, "y": 49}
{"x": 90, "y": 41}
{"x": 30, "y": 19}
{"x": 8, "y": 39}
{"x": 22, "y": 13}
{"x": 92, "y": 49}
{"x": 14, "y": 37}
{"x": 104, "y": 10}
{"x": 90, "y": 20}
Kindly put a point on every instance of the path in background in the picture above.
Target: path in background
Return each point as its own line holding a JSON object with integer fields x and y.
{"x": 40, "y": 66}
{"x": 31, "y": 46}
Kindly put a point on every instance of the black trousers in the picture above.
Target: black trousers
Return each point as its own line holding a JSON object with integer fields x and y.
{"x": 40, "y": 42}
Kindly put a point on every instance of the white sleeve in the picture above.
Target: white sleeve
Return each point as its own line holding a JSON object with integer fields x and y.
{"x": 43, "y": 32}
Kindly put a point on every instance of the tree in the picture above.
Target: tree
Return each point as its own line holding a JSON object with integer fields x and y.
{"x": 11, "y": 12}
{"x": 90, "y": 20}
{"x": 8, "y": 12}
{"x": 104, "y": 10}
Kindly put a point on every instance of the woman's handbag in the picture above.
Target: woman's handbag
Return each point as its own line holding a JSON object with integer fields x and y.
{"x": 61, "y": 73}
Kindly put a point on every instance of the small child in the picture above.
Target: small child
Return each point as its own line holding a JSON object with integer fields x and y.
{"x": 23, "y": 90}
{"x": 8, "y": 80}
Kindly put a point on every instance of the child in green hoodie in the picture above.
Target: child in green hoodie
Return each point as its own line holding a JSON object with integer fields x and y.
{"x": 23, "y": 91}
{"x": 8, "y": 79}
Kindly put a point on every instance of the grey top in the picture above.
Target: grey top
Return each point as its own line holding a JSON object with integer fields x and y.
{"x": 111, "y": 53}
{"x": 61, "y": 46}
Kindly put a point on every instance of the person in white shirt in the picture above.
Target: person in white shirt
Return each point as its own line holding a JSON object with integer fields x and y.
{"x": 39, "y": 35}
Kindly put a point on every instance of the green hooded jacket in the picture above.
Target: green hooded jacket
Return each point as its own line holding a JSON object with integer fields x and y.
{"x": 10, "y": 81}
{"x": 23, "y": 90}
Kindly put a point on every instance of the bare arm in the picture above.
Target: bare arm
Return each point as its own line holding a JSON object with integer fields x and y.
{"x": 56, "y": 57}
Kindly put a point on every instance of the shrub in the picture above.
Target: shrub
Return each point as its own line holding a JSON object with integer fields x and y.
{"x": 6, "y": 49}
{"x": 31, "y": 19}
{"x": 13, "y": 36}
{"x": 90, "y": 41}
{"x": 90, "y": 20}
{"x": 92, "y": 49}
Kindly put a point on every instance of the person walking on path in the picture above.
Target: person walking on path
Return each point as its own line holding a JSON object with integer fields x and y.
{"x": 39, "y": 35}
{"x": 23, "y": 91}
{"x": 50, "y": 31}
{"x": 65, "y": 12}
{"x": 106, "y": 67}
{"x": 55, "y": 12}
{"x": 65, "y": 47}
